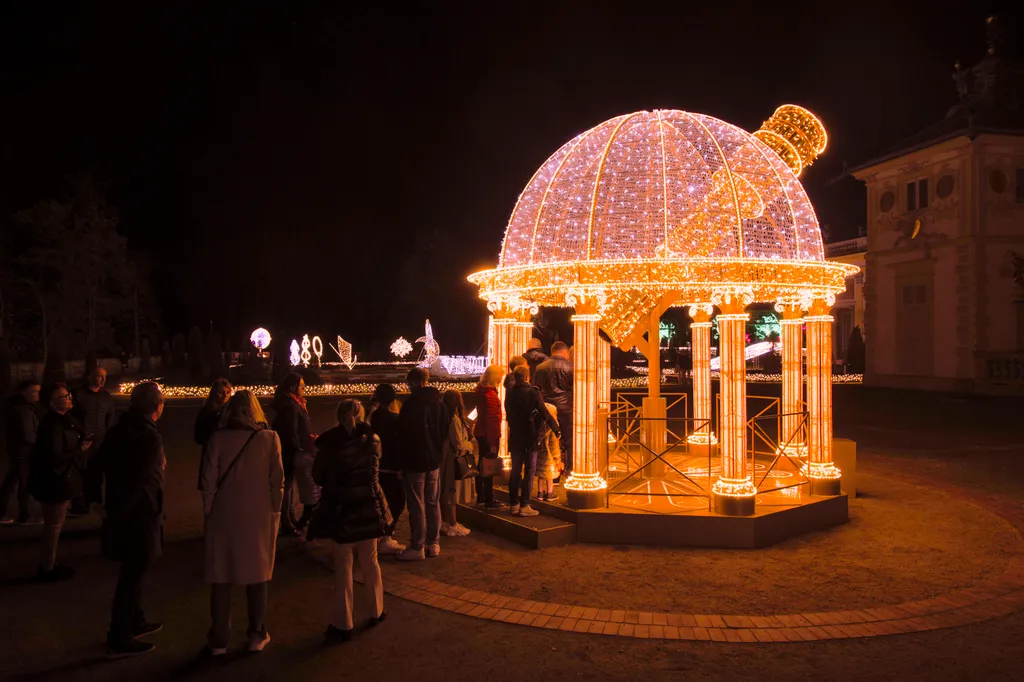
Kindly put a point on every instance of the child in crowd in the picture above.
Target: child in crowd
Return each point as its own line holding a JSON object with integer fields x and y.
{"x": 549, "y": 461}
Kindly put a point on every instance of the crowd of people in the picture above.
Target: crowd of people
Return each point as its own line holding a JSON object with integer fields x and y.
{"x": 353, "y": 482}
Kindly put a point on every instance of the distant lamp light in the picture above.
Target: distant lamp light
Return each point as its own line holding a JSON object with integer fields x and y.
{"x": 260, "y": 338}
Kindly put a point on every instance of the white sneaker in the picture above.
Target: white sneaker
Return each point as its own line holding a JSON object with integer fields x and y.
{"x": 389, "y": 545}
{"x": 433, "y": 550}
{"x": 461, "y": 530}
{"x": 410, "y": 554}
{"x": 449, "y": 531}
{"x": 6, "y": 521}
{"x": 527, "y": 510}
{"x": 514, "y": 510}
{"x": 259, "y": 643}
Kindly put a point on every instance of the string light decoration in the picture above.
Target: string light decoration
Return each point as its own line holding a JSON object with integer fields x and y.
{"x": 463, "y": 365}
{"x": 400, "y": 348}
{"x": 795, "y": 134}
{"x": 653, "y": 209}
{"x": 344, "y": 352}
{"x": 305, "y": 356}
{"x": 260, "y": 338}
{"x": 293, "y": 354}
{"x": 318, "y": 348}
{"x": 431, "y": 350}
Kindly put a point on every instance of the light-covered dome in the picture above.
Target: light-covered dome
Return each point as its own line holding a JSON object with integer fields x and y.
{"x": 662, "y": 184}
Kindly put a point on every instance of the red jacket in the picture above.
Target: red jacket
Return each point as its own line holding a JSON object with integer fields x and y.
{"x": 488, "y": 414}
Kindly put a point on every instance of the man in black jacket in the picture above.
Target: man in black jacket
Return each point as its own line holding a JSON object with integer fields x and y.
{"x": 534, "y": 355}
{"x": 132, "y": 461}
{"x": 93, "y": 406}
{"x": 422, "y": 429}
{"x": 526, "y": 414}
{"x": 22, "y": 422}
{"x": 554, "y": 377}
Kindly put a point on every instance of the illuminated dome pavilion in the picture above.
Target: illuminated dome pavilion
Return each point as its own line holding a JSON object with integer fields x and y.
{"x": 665, "y": 208}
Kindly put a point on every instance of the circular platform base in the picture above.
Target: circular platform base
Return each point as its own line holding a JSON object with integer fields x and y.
{"x": 734, "y": 506}
{"x": 585, "y": 499}
{"x": 824, "y": 487}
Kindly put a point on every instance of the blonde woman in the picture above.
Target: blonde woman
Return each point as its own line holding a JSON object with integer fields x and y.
{"x": 243, "y": 484}
{"x": 488, "y": 430}
{"x": 353, "y": 513}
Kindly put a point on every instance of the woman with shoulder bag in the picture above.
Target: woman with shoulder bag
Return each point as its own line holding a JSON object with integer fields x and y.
{"x": 353, "y": 513}
{"x": 242, "y": 483}
{"x": 456, "y": 445}
{"x": 488, "y": 435}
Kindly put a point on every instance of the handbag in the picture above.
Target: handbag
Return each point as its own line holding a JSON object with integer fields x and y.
{"x": 465, "y": 467}
{"x": 490, "y": 466}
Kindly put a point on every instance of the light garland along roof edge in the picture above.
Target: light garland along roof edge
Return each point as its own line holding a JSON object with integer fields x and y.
{"x": 667, "y": 204}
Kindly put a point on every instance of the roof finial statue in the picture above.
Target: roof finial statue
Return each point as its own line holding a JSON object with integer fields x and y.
{"x": 994, "y": 35}
{"x": 963, "y": 79}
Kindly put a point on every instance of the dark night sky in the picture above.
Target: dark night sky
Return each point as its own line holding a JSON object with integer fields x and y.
{"x": 319, "y": 167}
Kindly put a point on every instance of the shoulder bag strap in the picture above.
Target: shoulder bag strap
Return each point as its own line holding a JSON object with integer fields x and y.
{"x": 224, "y": 476}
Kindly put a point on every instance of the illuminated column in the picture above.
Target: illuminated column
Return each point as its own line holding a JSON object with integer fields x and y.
{"x": 792, "y": 380}
{"x": 822, "y": 473}
{"x": 585, "y": 489}
{"x": 700, "y": 352}
{"x": 734, "y": 492}
{"x": 503, "y": 330}
{"x": 604, "y": 373}
{"x": 655, "y": 426}
{"x": 522, "y": 332}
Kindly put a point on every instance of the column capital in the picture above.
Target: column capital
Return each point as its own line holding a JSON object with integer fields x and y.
{"x": 790, "y": 309}
{"x": 701, "y": 312}
{"x": 819, "y": 307}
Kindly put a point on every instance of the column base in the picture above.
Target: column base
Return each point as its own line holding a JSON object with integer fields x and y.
{"x": 824, "y": 487}
{"x": 798, "y": 450}
{"x": 730, "y": 505}
{"x": 585, "y": 499}
{"x": 698, "y": 438}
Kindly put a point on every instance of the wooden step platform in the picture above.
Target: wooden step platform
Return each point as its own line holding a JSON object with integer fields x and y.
{"x": 534, "y": 532}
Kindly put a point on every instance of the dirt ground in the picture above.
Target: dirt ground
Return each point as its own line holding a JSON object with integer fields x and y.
{"x": 944, "y": 503}
{"x": 904, "y": 542}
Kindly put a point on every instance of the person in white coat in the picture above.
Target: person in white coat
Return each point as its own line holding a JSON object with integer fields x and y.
{"x": 242, "y": 484}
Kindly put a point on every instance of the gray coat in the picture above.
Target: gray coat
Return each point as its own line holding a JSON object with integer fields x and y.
{"x": 243, "y": 514}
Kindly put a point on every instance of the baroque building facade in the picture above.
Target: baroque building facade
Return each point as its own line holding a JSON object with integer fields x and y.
{"x": 945, "y": 218}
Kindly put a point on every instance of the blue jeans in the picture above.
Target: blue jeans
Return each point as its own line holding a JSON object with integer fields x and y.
{"x": 518, "y": 481}
{"x": 422, "y": 493}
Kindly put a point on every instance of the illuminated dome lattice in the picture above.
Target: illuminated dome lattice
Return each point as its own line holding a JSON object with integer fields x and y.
{"x": 662, "y": 184}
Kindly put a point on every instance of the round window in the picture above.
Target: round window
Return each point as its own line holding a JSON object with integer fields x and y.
{"x": 944, "y": 187}
{"x": 997, "y": 181}
{"x": 887, "y": 201}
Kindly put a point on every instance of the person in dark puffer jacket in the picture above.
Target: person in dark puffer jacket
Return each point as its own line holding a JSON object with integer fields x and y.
{"x": 353, "y": 512}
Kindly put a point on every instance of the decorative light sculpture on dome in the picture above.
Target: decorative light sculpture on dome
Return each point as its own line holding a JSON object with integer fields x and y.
{"x": 663, "y": 208}
{"x": 795, "y": 134}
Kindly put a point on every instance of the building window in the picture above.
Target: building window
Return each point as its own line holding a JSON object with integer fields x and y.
{"x": 917, "y": 194}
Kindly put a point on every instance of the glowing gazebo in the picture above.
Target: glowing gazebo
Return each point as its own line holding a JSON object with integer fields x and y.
{"x": 660, "y": 208}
